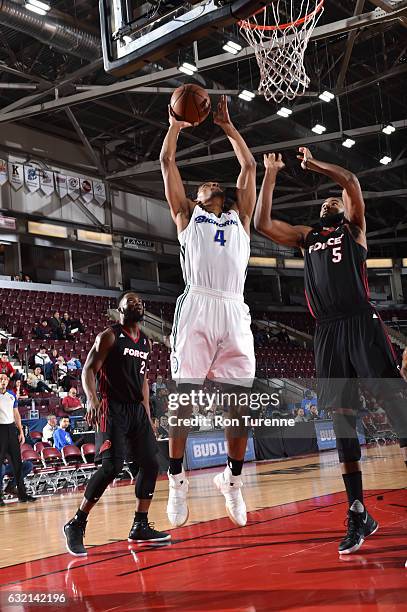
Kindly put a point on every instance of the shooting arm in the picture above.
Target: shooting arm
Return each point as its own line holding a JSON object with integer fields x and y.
{"x": 246, "y": 182}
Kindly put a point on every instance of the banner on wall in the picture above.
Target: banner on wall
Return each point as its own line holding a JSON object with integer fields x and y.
{"x": 31, "y": 178}
{"x": 99, "y": 190}
{"x": 210, "y": 448}
{"x": 3, "y": 172}
{"x": 86, "y": 190}
{"x": 47, "y": 182}
{"x": 73, "y": 187}
{"x": 16, "y": 173}
{"x": 62, "y": 187}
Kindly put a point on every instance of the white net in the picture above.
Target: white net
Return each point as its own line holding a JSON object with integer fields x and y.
{"x": 279, "y": 35}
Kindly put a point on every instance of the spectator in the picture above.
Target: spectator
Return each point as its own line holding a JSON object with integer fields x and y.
{"x": 43, "y": 360}
{"x": 49, "y": 429}
{"x": 163, "y": 427}
{"x": 20, "y": 390}
{"x": 7, "y": 470}
{"x": 61, "y": 436}
{"x": 300, "y": 418}
{"x": 27, "y": 279}
{"x": 54, "y": 356}
{"x": 72, "y": 326}
{"x": 313, "y": 413}
{"x": 62, "y": 374}
{"x": 17, "y": 278}
{"x": 6, "y": 367}
{"x": 42, "y": 331}
{"x": 158, "y": 384}
{"x": 71, "y": 403}
{"x": 161, "y": 403}
{"x": 36, "y": 382}
{"x": 56, "y": 327}
{"x": 74, "y": 365}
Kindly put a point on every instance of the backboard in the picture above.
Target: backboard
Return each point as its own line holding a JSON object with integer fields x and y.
{"x": 135, "y": 32}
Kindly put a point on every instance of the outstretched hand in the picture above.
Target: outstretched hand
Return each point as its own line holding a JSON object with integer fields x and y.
{"x": 305, "y": 157}
{"x": 173, "y": 121}
{"x": 221, "y": 115}
{"x": 273, "y": 161}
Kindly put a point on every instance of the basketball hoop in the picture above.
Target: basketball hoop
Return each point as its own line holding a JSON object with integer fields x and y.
{"x": 280, "y": 47}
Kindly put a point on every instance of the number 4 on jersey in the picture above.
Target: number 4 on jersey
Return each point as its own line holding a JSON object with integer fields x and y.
{"x": 220, "y": 237}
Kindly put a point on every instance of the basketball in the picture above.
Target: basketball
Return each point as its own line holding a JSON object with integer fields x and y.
{"x": 190, "y": 103}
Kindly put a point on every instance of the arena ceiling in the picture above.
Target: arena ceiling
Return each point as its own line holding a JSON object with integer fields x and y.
{"x": 360, "y": 54}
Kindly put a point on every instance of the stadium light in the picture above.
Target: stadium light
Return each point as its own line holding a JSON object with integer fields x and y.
{"x": 319, "y": 129}
{"x": 232, "y": 47}
{"x": 348, "y": 143}
{"x": 247, "y": 95}
{"x": 35, "y": 6}
{"x": 388, "y": 129}
{"x": 326, "y": 96}
{"x": 284, "y": 112}
{"x": 187, "y": 68}
{"x": 385, "y": 160}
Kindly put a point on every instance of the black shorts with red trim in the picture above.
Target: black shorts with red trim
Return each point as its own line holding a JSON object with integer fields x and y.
{"x": 128, "y": 434}
{"x": 352, "y": 352}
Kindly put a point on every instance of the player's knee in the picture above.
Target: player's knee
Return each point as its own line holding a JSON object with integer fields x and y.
{"x": 101, "y": 479}
{"x": 348, "y": 450}
{"x": 146, "y": 479}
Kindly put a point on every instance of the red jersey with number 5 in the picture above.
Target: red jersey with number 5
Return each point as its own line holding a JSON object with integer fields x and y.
{"x": 122, "y": 375}
{"x": 335, "y": 273}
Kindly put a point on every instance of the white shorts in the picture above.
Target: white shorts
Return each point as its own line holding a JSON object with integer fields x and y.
{"x": 211, "y": 338}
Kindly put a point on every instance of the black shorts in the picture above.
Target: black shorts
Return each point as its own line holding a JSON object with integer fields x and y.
{"x": 350, "y": 353}
{"x": 128, "y": 436}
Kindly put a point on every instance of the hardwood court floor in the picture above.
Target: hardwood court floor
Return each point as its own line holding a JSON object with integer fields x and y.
{"x": 284, "y": 559}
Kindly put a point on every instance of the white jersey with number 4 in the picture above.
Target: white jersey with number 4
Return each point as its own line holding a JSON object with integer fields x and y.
{"x": 215, "y": 251}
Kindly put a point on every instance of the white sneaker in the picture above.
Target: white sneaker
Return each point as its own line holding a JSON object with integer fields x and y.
{"x": 177, "y": 507}
{"x": 230, "y": 486}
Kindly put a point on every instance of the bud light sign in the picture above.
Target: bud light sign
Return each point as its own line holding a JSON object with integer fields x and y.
{"x": 210, "y": 449}
{"x": 326, "y": 436}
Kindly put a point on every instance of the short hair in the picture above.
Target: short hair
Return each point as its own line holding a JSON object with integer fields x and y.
{"x": 63, "y": 417}
{"x": 123, "y": 295}
{"x": 50, "y": 416}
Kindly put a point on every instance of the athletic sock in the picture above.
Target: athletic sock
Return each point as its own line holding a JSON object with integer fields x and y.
{"x": 176, "y": 465}
{"x": 353, "y": 486}
{"x": 141, "y": 517}
{"x": 236, "y": 465}
{"x": 81, "y": 516}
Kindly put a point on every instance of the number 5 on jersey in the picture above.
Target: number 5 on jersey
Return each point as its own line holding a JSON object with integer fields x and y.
{"x": 220, "y": 237}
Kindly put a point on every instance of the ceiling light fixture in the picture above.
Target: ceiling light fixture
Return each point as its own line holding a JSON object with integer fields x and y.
{"x": 385, "y": 160}
{"x": 319, "y": 129}
{"x": 388, "y": 129}
{"x": 247, "y": 95}
{"x": 348, "y": 143}
{"x": 326, "y": 96}
{"x": 232, "y": 47}
{"x": 284, "y": 112}
{"x": 187, "y": 68}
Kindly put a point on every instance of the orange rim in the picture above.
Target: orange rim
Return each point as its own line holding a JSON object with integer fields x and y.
{"x": 269, "y": 28}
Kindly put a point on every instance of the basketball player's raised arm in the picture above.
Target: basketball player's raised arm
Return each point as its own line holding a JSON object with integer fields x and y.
{"x": 180, "y": 205}
{"x": 94, "y": 362}
{"x": 278, "y": 231}
{"x": 352, "y": 193}
{"x": 246, "y": 182}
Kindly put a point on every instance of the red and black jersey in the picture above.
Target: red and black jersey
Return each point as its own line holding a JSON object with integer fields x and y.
{"x": 335, "y": 273}
{"x": 122, "y": 375}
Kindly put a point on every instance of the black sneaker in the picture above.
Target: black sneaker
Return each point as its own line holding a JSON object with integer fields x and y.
{"x": 2, "y": 502}
{"x": 370, "y": 526}
{"x": 27, "y": 498}
{"x": 74, "y": 532}
{"x": 355, "y": 535}
{"x": 142, "y": 531}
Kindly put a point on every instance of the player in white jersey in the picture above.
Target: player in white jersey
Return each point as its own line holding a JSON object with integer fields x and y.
{"x": 211, "y": 336}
